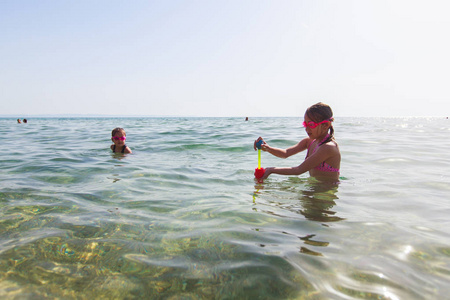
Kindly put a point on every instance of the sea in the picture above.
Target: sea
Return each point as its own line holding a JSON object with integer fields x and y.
{"x": 183, "y": 217}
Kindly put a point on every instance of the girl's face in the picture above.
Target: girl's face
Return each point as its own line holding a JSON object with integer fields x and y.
{"x": 315, "y": 130}
{"x": 119, "y": 138}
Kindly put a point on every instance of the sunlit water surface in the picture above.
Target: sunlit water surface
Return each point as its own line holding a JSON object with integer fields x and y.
{"x": 183, "y": 218}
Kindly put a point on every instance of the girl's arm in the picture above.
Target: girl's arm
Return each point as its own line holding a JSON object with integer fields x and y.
{"x": 285, "y": 153}
{"x": 323, "y": 153}
{"x": 127, "y": 150}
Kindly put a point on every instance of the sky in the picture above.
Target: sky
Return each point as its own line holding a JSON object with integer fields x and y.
{"x": 224, "y": 58}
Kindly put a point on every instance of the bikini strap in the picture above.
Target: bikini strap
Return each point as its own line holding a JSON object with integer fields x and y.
{"x": 318, "y": 144}
{"x": 309, "y": 148}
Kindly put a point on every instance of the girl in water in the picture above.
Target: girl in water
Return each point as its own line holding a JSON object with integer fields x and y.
{"x": 323, "y": 158}
{"x": 118, "y": 137}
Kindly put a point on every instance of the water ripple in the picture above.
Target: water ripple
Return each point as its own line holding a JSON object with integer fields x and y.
{"x": 182, "y": 217}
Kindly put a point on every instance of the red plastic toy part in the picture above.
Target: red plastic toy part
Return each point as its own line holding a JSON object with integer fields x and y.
{"x": 259, "y": 173}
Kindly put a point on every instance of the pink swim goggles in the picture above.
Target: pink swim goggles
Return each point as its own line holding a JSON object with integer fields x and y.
{"x": 119, "y": 138}
{"x": 312, "y": 124}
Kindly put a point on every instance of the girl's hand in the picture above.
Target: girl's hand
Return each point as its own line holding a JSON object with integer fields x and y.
{"x": 267, "y": 173}
{"x": 262, "y": 145}
{"x": 265, "y": 147}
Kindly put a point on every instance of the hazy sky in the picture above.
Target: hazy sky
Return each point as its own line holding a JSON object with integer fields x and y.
{"x": 224, "y": 58}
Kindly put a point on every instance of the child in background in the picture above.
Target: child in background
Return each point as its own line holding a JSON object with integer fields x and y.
{"x": 323, "y": 158}
{"x": 118, "y": 138}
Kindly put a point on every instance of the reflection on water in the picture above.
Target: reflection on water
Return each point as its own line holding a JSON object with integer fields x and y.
{"x": 318, "y": 200}
{"x": 312, "y": 199}
{"x": 315, "y": 198}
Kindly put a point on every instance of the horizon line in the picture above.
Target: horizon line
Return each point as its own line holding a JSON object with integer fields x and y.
{"x": 188, "y": 116}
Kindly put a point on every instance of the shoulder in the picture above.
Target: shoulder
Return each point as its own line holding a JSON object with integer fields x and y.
{"x": 306, "y": 142}
{"x": 127, "y": 149}
{"x": 303, "y": 144}
{"x": 331, "y": 146}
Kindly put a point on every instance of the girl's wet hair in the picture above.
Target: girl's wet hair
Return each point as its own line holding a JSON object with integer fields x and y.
{"x": 118, "y": 129}
{"x": 320, "y": 112}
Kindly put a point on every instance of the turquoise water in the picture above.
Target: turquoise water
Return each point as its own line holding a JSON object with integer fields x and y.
{"x": 183, "y": 218}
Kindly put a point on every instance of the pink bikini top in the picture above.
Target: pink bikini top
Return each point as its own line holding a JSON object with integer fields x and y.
{"x": 323, "y": 166}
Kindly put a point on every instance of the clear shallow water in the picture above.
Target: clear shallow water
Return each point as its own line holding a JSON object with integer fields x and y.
{"x": 182, "y": 217}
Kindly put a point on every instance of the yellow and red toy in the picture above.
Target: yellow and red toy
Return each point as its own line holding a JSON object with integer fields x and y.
{"x": 259, "y": 172}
